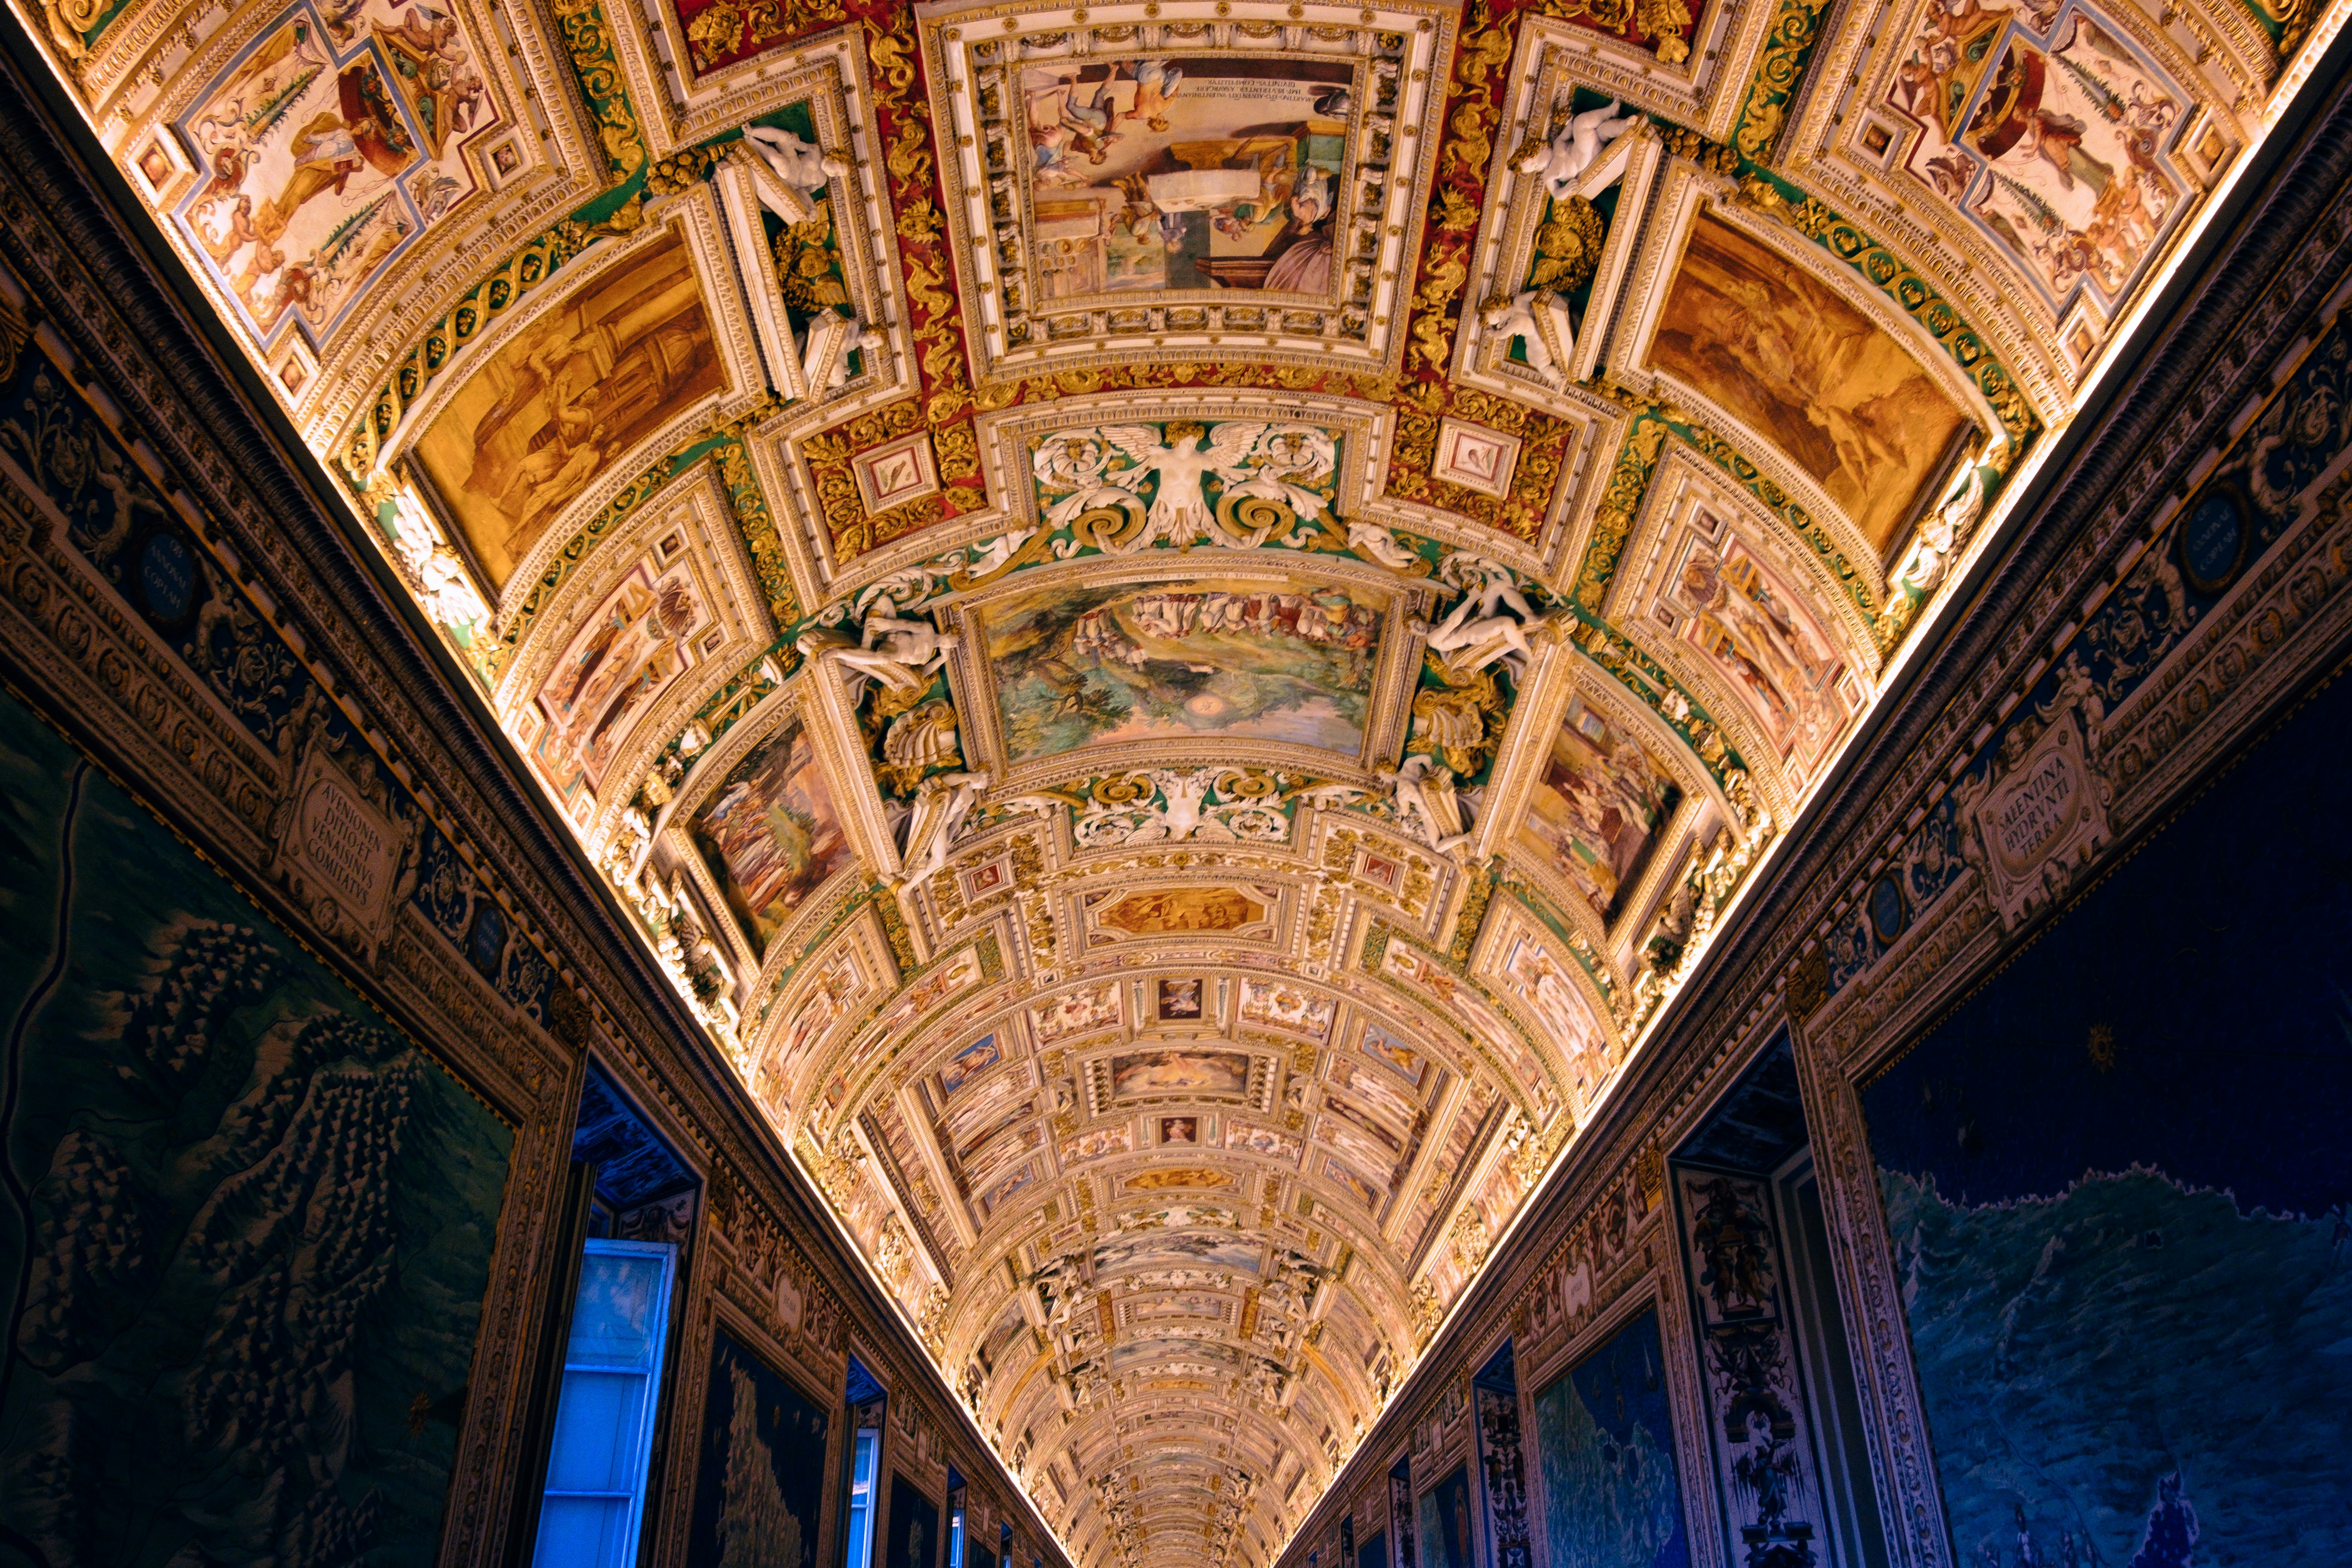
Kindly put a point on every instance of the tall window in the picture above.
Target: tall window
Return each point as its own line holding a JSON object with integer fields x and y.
{"x": 862, "y": 1455}
{"x": 956, "y": 1498}
{"x": 604, "y": 1414}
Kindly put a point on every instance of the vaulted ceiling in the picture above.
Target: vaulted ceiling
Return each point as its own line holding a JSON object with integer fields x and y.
{"x": 1178, "y": 618}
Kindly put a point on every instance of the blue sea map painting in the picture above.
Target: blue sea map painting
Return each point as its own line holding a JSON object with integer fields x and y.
{"x": 247, "y": 1226}
{"x": 1605, "y": 1449}
{"x": 2116, "y": 1184}
{"x": 1444, "y": 1522}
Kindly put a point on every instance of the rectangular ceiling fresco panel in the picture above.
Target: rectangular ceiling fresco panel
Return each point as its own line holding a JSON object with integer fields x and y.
{"x": 326, "y": 147}
{"x": 1598, "y": 808}
{"x": 1186, "y": 173}
{"x": 1210, "y": 656}
{"x": 630, "y": 651}
{"x": 1797, "y": 362}
{"x": 568, "y": 396}
{"x": 770, "y": 834}
{"x": 1762, "y": 639}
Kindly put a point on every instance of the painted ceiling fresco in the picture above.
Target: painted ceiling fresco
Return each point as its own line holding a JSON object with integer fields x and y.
{"x": 1179, "y": 618}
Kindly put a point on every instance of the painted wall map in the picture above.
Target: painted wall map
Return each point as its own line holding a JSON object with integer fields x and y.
{"x": 325, "y": 148}
{"x": 2117, "y": 1198}
{"x": 1445, "y": 1533}
{"x": 627, "y": 653}
{"x": 760, "y": 1484}
{"x": 914, "y": 1538}
{"x": 770, "y": 835}
{"x": 1213, "y": 657}
{"x": 2051, "y": 131}
{"x": 1758, "y": 634}
{"x": 1186, "y": 173}
{"x": 256, "y": 1223}
{"x": 568, "y": 396}
{"x": 1605, "y": 1454}
{"x": 1598, "y": 810}
{"x": 1787, "y": 355}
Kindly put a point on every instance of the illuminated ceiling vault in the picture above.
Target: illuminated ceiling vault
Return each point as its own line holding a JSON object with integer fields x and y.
{"x": 1179, "y": 618}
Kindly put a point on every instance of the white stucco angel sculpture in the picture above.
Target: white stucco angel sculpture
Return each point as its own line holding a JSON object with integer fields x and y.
{"x": 826, "y": 349}
{"x": 1574, "y": 147}
{"x": 1062, "y": 1282}
{"x": 799, "y": 165}
{"x": 1479, "y": 631}
{"x": 1370, "y": 539}
{"x": 1539, "y": 319}
{"x": 901, "y": 653}
{"x": 447, "y": 591}
{"x": 1942, "y": 535}
{"x": 1425, "y": 803}
{"x": 940, "y": 807}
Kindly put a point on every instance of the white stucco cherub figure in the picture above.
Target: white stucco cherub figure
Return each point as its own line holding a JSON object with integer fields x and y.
{"x": 901, "y": 653}
{"x": 1539, "y": 319}
{"x": 1370, "y": 539}
{"x": 831, "y": 337}
{"x": 1491, "y": 623}
{"x": 1942, "y": 535}
{"x": 1574, "y": 147}
{"x": 798, "y": 163}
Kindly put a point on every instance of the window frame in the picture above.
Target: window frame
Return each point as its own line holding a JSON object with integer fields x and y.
{"x": 649, "y": 1370}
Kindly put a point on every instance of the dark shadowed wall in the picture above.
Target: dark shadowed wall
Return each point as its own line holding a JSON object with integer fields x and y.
{"x": 248, "y": 1224}
{"x": 2116, "y": 1183}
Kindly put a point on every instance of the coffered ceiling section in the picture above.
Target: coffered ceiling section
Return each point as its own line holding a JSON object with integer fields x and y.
{"x": 1178, "y": 618}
